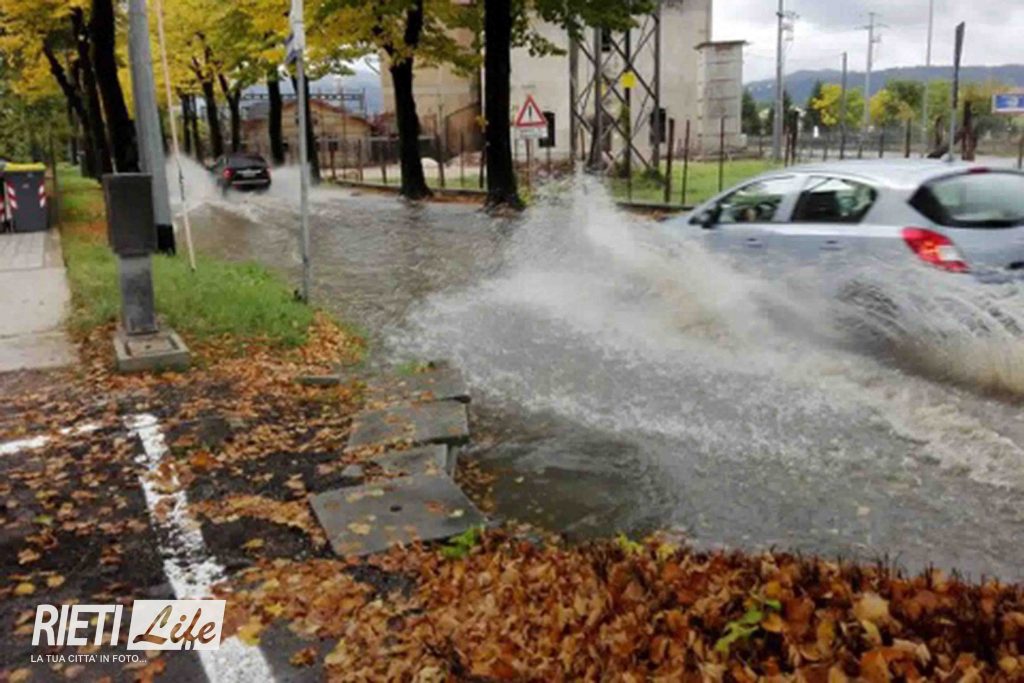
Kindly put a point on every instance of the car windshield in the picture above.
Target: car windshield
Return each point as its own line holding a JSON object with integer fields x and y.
{"x": 974, "y": 200}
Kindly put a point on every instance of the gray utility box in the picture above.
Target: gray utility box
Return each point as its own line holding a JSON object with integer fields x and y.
{"x": 131, "y": 229}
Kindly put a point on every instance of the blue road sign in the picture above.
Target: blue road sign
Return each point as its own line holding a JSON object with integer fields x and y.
{"x": 1008, "y": 103}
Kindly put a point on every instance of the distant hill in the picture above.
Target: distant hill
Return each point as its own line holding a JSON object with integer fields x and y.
{"x": 801, "y": 83}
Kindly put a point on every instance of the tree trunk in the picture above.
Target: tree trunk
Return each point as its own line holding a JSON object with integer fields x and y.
{"x": 414, "y": 183}
{"x": 274, "y": 121}
{"x": 93, "y": 122}
{"x": 501, "y": 177}
{"x": 234, "y": 100}
{"x": 76, "y": 108}
{"x": 119, "y": 124}
{"x": 314, "y": 157}
{"x": 186, "y": 138}
{"x": 197, "y": 140}
{"x": 213, "y": 120}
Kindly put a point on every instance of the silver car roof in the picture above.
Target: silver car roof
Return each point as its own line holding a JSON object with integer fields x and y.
{"x": 902, "y": 173}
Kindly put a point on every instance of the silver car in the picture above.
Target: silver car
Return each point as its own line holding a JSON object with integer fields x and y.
{"x": 854, "y": 221}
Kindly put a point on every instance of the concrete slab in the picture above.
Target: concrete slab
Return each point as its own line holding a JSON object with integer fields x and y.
{"x": 423, "y": 460}
{"x": 366, "y": 519}
{"x": 420, "y": 423}
{"x": 163, "y": 350}
{"x": 433, "y": 385}
{"x": 41, "y": 351}
{"x": 34, "y": 298}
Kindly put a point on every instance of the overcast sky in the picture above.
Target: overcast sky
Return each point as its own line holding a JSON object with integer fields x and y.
{"x": 825, "y": 28}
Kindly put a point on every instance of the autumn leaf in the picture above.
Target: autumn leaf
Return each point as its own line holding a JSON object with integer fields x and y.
{"x": 249, "y": 632}
{"x": 871, "y": 607}
{"x": 27, "y": 556}
{"x": 24, "y": 588}
{"x": 304, "y": 657}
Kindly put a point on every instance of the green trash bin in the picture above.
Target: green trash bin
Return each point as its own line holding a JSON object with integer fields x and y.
{"x": 25, "y": 197}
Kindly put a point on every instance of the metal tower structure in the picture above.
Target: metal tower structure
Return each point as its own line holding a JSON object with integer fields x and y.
{"x": 615, "y": 97}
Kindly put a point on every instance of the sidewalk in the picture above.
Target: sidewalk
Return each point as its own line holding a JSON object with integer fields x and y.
{"x": 34, "y": 297}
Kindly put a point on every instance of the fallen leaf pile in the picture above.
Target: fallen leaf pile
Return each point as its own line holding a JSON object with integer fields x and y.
{"x": 517, "y": 610}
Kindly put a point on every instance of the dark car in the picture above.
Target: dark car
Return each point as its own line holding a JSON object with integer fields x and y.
{"x": 242, "y": 172}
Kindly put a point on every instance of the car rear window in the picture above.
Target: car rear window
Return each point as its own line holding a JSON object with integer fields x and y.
{"x": 973, "y": 200}
{"x": 242, "y": 160}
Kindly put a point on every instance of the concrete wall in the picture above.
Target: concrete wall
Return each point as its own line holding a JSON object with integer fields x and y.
{"x": 720, "y": 90}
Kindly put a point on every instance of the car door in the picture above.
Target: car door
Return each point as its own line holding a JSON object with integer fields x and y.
{"x": 824, "y": 234}
{"x": 740, "y": 223}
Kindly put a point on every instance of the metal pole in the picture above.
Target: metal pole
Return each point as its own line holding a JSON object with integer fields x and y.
{"x": 777, "y": 121}
{"x": 721, "y": 154}
{"x": 957, "y": 51}
{"x": 1020, "y": 152}
{"x": 529, "y": 163}
{"x": 867, "y": 73}
{"x": 300, "y": 77}
{"x": 686, "y": 161}
{"x": 656, "y": 154}
{"x": 147, "y": 121}
{"x": 159, "y": 9}
{"x": 597, "y": 153}
{"x": 440, "y": 159}
{"x": 927, "y": 80}
{"x": 842, "y": 114}
{"x": 573, "y": 95}
{"x": 462, "y": 159}
{"x": 359, "y": 157}
{"x": 668, "y": 159}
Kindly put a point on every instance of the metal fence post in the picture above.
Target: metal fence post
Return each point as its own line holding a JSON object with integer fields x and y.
{"x": 668, "y": 159}
{"x": 721, "y": 154}
{"x": 462, "y": 159}
{"x": 359, "y": 158}
{"x": 440, "y": 159}
{"x": 686, "y": 161}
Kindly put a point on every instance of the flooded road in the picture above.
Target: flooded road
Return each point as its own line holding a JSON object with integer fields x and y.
{"x": 625, "y": 381}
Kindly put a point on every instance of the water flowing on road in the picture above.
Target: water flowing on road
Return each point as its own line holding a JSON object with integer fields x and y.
{"x": 626, "y": 380}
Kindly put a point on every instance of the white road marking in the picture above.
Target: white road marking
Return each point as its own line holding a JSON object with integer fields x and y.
{"x": 187, "y": 563}
{"x": 36, "y": 442}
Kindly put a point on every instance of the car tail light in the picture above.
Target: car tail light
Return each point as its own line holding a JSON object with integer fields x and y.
{"x": 228, "y": 173}
{"x": 934, "y": 249}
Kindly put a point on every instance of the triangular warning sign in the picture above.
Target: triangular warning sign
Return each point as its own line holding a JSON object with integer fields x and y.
{"x": 530, "y": 115}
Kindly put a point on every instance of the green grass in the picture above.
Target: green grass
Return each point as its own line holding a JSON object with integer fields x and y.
{"x": 701, "y": 181}
{"x": 240, "y": 299}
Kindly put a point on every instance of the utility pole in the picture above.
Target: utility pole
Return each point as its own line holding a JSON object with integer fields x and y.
{"x": 777, "y": 120}
{"x": 842, "y": 113}
{"x": 867, "y": 74}
{"x": 927, "y": 79}
{"x": 294, "y": 51}
{"x": 147, "y": 122}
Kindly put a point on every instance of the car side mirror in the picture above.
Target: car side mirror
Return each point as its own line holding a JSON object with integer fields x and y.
{"x": 707, "y": 219}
